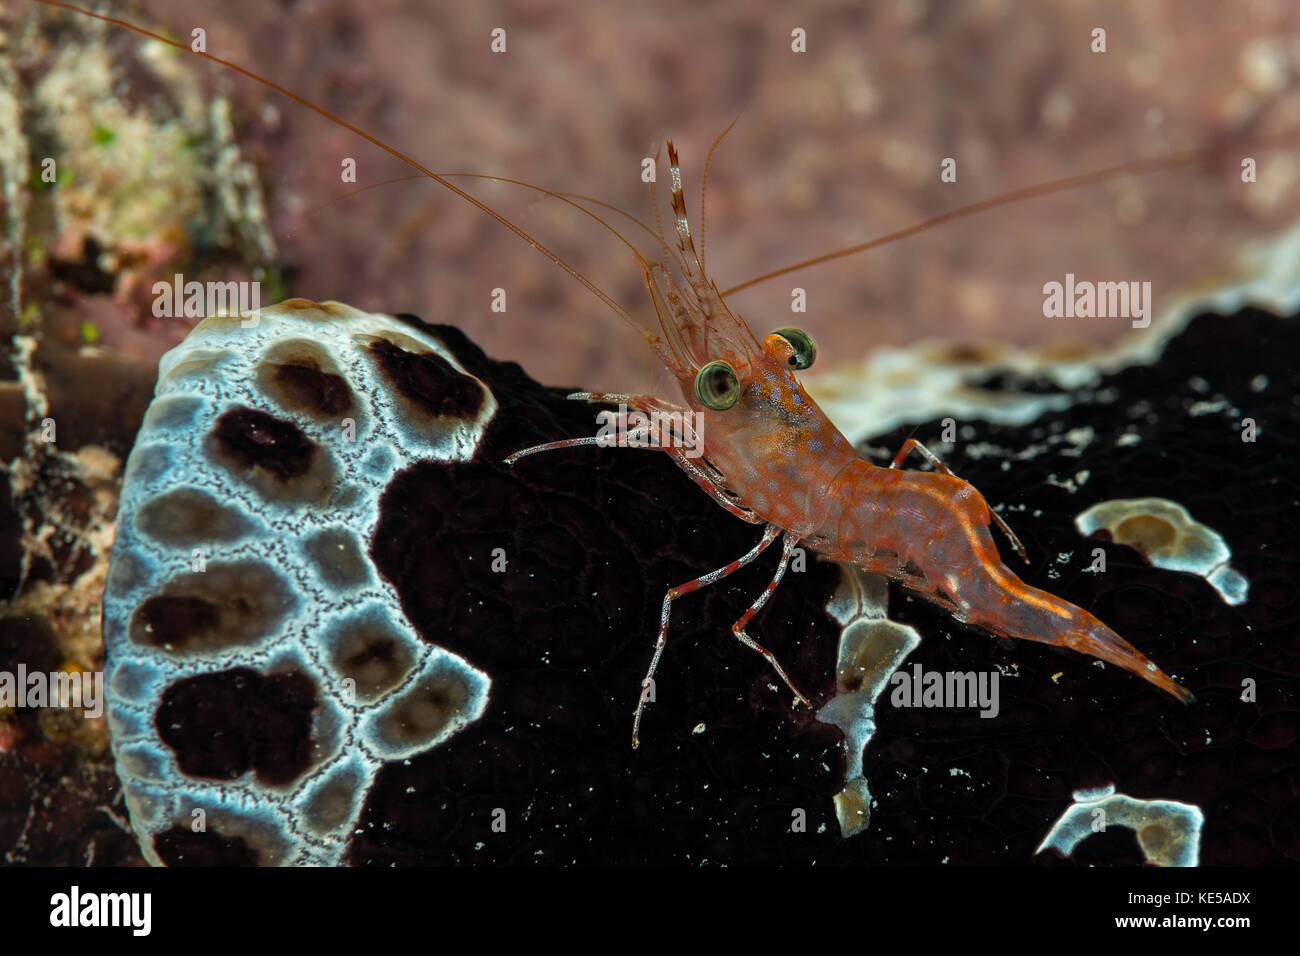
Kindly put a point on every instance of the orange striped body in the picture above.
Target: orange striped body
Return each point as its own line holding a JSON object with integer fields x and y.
{"x": 930, "y": 532}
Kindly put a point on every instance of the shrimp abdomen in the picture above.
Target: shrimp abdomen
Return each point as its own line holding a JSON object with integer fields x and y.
{"x": 930, "y": 532}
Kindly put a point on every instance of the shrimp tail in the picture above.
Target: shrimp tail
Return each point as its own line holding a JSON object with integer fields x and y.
{"x": 1044, "y": 617}
{"x": 954, "y": 563}
{"x": 989, "y": 595}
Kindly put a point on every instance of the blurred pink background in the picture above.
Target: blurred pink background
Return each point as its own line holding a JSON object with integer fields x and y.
{"x": 834, "y": 146}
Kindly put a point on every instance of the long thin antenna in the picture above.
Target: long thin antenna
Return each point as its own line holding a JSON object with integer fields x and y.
{"x": 1135, "y": 168}
{"x": 392, "y": 151}
{"x": 704, "y": 188}
{"x": 578, "y": 197}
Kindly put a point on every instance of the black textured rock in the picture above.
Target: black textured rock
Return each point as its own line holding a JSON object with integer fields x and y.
{"x": 593, "y": 537}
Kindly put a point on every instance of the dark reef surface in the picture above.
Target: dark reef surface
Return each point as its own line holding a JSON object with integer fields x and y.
{"x": 595, "y": 536}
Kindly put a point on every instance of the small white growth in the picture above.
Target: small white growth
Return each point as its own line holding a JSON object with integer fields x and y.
{"x": 1197, "y": 409}
{"x": 1169, "y": 833}
{"x": 871, "y": 649}
{"x": 1165, "y": 534}
{"x": 1080, "y": 438}
{"x": 895, "y": 386}
{"x": 300, "y": 561}
{"x": 1067, "y": 483}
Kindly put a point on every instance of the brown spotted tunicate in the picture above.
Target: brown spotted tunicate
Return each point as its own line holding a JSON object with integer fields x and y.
{"x": 260, "y": 671}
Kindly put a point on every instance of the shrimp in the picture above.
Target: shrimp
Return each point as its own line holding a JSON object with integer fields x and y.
{"x": 770, "y": 456}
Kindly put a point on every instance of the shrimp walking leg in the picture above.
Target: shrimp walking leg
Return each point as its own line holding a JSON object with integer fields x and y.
{"x": 627, "y": 438}
{"x": 636, "y": 437}
{"x": 738, "y": 629}
{"x": 769, "y": 535}
{"x": 938, "y": 465}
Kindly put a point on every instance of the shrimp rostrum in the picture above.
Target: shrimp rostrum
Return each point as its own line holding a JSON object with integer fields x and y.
{"x": 767, "y": 454}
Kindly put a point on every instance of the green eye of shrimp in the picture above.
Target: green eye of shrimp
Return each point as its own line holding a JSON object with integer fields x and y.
{"x": 717, "y": 386}
{"x": 805, "y": 349}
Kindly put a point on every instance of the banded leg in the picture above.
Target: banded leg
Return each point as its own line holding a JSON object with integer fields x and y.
{"x": 618, "y": 398}
{"x": 738, "y": 629}
{"x": 624, "y": 436}
{"x": 769, "y": 535}
{"x": 643, "y": 403}
{"x": 933, "y": 459}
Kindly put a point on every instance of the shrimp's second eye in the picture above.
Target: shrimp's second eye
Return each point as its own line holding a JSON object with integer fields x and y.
{"x": 805, "y": 349}
{"x": 717, "y": 386}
